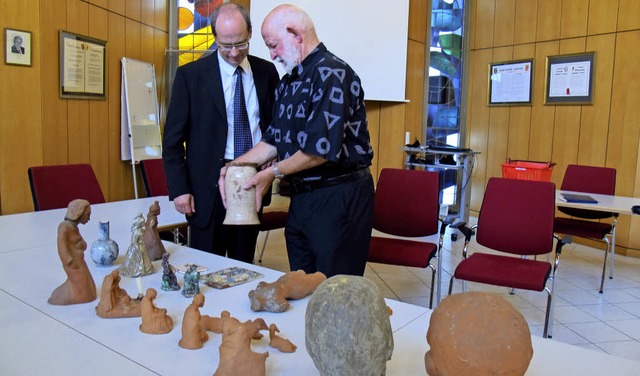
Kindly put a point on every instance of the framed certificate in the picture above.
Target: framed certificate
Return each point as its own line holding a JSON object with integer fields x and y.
{"x": 82, "y": 66}
{"x": 510, "y": 83}
{"x": 570, "y": 79}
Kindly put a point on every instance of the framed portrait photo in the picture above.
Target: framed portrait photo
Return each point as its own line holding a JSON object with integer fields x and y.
{"x": 17, "y": 47}
{"x": 570, "y": 79}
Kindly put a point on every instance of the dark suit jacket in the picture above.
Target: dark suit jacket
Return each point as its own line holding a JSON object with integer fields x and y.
{"x": 197, "y": 116}
{"x": 16, "y": 51}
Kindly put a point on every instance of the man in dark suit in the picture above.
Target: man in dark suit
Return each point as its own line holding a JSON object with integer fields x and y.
{"x": 17, "y": 45}
{"x": 199, "y": 136}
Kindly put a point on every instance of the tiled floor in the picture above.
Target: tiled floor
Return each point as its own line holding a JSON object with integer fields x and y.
{"x": 608, "y": 322}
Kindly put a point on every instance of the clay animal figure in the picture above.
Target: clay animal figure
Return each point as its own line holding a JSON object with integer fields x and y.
{"x": 193, "y": 335}
{"x": 236, "y": 356}
{"x": 152, "y": 242}
{"x": 191, "y": 286}
{"x": 273, "y": 297}
{"x": 477, "y": 333}
{"x": 114, "y": 300}
{"x": 154, "y": 320}
{"x": 169, "y": 279}
{"x": 136, "y": 262}
{"x": 347, "y": 328}
{"x": 79, "y": 286}
{"x": 277, "y": 342}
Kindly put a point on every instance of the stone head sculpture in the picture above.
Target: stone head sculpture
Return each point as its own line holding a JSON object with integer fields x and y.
{"x": 477, "y": 333}
{"x": 347, "y": 328}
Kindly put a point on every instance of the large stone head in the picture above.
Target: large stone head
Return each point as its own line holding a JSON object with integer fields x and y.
{"x": 347, "y": 328}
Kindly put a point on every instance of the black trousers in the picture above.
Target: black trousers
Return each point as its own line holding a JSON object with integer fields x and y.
{"x": 329, "y": 228}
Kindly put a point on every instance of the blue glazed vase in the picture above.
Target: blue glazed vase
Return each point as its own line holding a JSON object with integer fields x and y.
{"x": 104, "y": 251}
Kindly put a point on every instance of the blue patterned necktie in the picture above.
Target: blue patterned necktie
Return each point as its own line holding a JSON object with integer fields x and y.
{"x": 242, "y": 141}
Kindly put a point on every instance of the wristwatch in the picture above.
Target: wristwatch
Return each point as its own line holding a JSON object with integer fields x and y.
{"x": 276, "y": 172}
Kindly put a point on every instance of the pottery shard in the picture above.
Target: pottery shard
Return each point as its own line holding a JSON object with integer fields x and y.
{"x": 477, "y": 333}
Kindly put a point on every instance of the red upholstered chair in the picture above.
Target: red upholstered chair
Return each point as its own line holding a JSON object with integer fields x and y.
{"x": 407, "y": 205}
{"x": 153, "y": 177}
{"x": 515, "y": 220}
{"x": 53, "y": 187}
{"x": 587, "y": 223}
{"x": 271, "y": 220}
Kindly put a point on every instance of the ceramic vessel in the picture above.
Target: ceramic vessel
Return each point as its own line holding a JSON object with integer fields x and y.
{"x": 241, "y": 203}
{"x": 104, "y": 251}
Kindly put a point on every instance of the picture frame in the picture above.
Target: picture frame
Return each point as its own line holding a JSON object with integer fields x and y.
{"x": 510, "y": 83}
{"x": 569, "y": 79}
{"x": 17, "y": 47}
{"x": 83, "y": 61}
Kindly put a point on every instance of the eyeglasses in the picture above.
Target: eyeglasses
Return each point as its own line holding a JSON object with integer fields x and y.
{"x": 224, "y": 47}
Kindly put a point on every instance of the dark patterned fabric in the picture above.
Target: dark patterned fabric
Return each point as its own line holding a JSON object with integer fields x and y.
{"x": 242, "y": 141}
{"x": 319, "y": 109}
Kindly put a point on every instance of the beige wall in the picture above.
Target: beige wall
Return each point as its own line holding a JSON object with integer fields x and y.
{"x": 606, "y": 133}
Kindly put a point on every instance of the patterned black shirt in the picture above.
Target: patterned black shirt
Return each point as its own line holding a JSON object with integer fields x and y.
{"x": 319, "y": 109}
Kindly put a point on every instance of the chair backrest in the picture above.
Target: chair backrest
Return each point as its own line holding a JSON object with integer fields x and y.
{"x": 407, "y": 203}
{"x": 589, "y": 179}
{"x": 53, "y": 187}
{"x": 155, "y": 181}
{"x": 516, "y": 216}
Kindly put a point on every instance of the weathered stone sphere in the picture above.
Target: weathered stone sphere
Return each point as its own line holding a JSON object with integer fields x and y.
{"x": 347, "y": 328}
{"x": 477, "y": 333}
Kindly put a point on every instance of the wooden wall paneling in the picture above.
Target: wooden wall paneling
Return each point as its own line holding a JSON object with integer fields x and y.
{"x": 147, "y": 44}
{"x": 634, "y": 223}
{"x": 483, "y": 25}
{"x": 525, "y": 21}
{"x": 160, "y": 45}
{"x": 496, "y": 152}
{"x": 373, "y": 121}
{"x": 133, "y": 39}
{"x": 118, "y": 6}
{"x": 414, "y": 92}
{"x": 542, "y": 117}
{"x": 78, "y": 115}
{"x": 574, "y": 18}
{"x": 418, "y": 13}
{"x": 629, "y": 15}
{"x": 161, "y": 15}
{"x": 520, "y": 116}
{"x": 548, "y": 21}
{"x": 133, "y": 9}
{"x": 603, "y": 16}
{"x": 503, "y": 34}
{"x": 478, "y": 120}
{"x": 99, "y": 109}
{"x": 391, "y": 135}
{"x": 594, "y": 129}
{"x": 147, "y": 9}
{"x": 54, "y": 124}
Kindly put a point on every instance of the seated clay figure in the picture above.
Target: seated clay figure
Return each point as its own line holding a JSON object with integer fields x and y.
{"x": 169, "y": 279}
{"x": 155, "y": 248}
{"x": 114, "y": 300}
{"x": 79, "y": 286}
{"x": 347, "y": 328}
{"x": 477, "y": 333}
{"x": 277, "y": 342}
{"x": 193, "y": 335}
{"x": 236, "y": 356}
{"x": 154, "y": 320}
{"x": 273, "y": 297}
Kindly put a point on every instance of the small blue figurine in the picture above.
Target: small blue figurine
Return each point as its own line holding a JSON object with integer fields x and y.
{"x": 191, "y": 285}
{"x": 169, "y": 280}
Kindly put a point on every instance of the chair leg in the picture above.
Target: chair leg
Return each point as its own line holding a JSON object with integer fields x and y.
{"x": 604, "y": 264}
{"x": 264, "y": 246}
{"x": 433, "y": 281}
{"x": 613, "y": 246}
{"x": 450, "y": 285}
{"x": 548, "y": 319}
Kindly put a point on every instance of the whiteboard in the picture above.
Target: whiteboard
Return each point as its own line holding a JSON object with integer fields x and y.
{"x": 371, "y": 36}
{"x": 140, "y": 126}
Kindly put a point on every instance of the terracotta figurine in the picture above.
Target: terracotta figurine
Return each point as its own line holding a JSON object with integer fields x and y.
{"x": 277, "y": 342}
{"x": 137, "y": 262}
{"x": 114, "y": 300}
{"x": 477, "y": 333}
{"x": 154, "y": 320}
{"x": 193, "y": 335}
{"x": 236, "y": 357}
{"x": 155, "y": 248}
{"x": 191, "y": 285}
{"x": 79, "y": 286}
{"x": 347, "y": 328}
{"x": 169, "y": 279}
{"x": 273, "y": 297}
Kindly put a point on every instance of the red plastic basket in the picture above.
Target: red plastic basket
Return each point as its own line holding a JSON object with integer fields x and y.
{"x": 527, "y": 170}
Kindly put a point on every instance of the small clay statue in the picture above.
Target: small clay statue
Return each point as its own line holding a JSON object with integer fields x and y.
{"x": 277, "y": 342}
{"x": 169, "y": 279}
{"x": 155, "y": 248}
{"x": 114, "y": 300}
{"x": 227, "y": 324}
{"x": 154, "y": 320}
{"x": 79, "y": 286}
{"x": 137, "y": 262}
{"x": 193, "y": 335}
{"x": 191, "y": 285}
{"x": 273, "y": 297}
{"x": 477, "y": 333}
{"x": 347, "y": 328}
{"x": 236, "y": 357}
